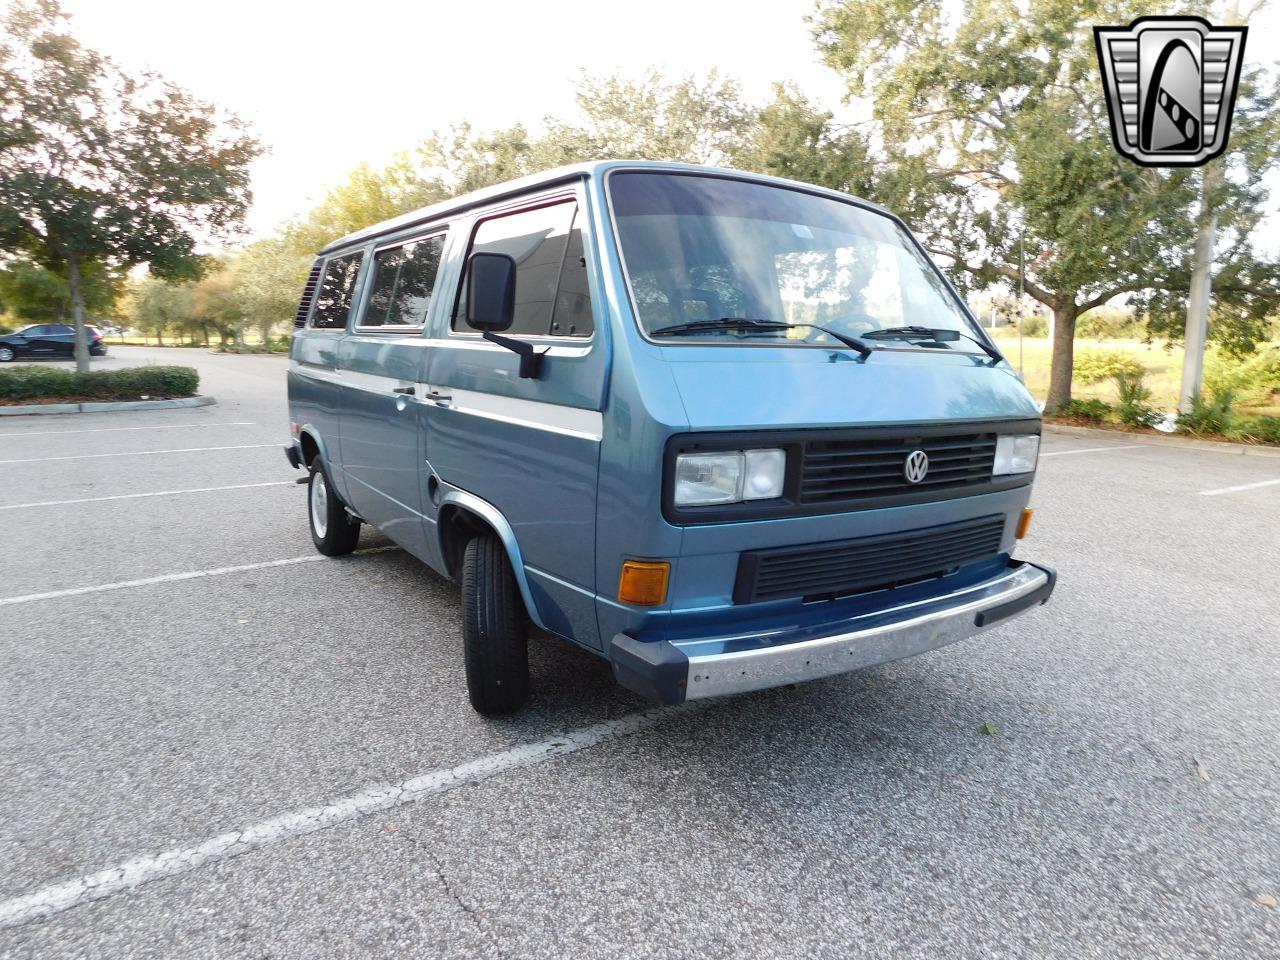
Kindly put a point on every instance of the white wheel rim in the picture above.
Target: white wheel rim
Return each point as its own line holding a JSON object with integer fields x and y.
{"x": 319, "y": 505}
{"x": 6, "y": 353}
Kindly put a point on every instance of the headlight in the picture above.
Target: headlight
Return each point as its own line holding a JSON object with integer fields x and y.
{"x": 730, "y": 477}
{"x": 1016, "y": 453}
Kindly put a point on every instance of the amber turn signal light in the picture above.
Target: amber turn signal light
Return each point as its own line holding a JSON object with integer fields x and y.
{"x": 644, "y": 582}
{"x": 1024, "y": 522}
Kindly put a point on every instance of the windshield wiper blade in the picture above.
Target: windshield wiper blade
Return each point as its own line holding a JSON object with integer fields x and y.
{"x": 938, "y": 334}
{"x": 724, "y": 323}
{"x": 911, "y": 332}
{"x": 751, "y": 323}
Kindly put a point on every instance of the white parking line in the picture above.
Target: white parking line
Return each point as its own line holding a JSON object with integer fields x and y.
{"x": 175, "y": 577}
{"x": 142, "y": 453}
{"x": 1118, "y": 446}
{"x": 1237, "y": 489}
{"x": 156, "y": 493}
{"x": 57, "y": 897}
{"x": 159, "y": 426}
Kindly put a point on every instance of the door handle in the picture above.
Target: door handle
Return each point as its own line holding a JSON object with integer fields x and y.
{"x": 407, "y": 391}
{"x": 441, "y": 399}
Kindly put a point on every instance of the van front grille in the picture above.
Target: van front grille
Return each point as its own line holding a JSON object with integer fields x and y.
{"x": 844, "y": 567}
{"x": 834, "y": 471}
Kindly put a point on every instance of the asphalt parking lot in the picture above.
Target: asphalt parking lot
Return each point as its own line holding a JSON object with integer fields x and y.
{"x": 215, "y": 743}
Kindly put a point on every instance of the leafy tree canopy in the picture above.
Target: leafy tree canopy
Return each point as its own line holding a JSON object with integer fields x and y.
{"x": 32, "y": 293}
{"x": 994, "y": 140}
{"x": 99, "y": 167}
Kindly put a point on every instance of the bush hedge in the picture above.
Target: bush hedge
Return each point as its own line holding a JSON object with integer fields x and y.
{"x": 27, "y": 383}
{"x": 1094, "y": 366}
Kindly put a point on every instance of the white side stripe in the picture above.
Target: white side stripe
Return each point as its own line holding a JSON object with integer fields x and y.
{"x": 57, "y": 897}
{"x": 157, "y": 493}
{"x": 175, "y": 577}
{"x": 573, "y": 421}
{"x": 142, "y": 453}
{"x": 1244, "y": 486}
{"x": 1118, "y": 446}
{"x": 156, "y": 426}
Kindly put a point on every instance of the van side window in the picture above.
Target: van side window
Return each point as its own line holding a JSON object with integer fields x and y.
{"x": 551, "y": 277}
{"x": 333, "y": 300}
{"x": 403, "y": 280}
{"x": 573, "y": 316}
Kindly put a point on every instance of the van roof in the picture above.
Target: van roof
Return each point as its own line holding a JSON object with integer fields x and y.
{"x": 546, "y": 178}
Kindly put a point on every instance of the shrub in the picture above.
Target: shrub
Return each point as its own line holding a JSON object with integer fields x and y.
{"x": 1088, "y": 411}
{"x": 1213, "y": 416}
{"x": 1253, "y": 379}
{"x": 1107, "y": 323}
{"x": 1095, "y": 366}
{"x": 1034, "y": 326}
{"x": 1134, "y": 407}
{"x": 1262, "y": 429}
{"x": 30, "y": 382}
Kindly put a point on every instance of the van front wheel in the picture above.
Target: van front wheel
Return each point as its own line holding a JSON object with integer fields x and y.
{"x": 494, "y": 640}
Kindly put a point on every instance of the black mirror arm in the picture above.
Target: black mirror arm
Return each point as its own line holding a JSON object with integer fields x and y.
{"x": 530, "y": 358}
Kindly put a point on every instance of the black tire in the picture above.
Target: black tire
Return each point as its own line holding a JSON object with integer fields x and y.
{"x": 7, "y": 353}
{"x": 333, "y": 530}
{"x": 494, "y": 636}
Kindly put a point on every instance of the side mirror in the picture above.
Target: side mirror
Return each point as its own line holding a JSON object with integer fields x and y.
{"x": 491, "y": 307}
{"x": 491, "y": 291}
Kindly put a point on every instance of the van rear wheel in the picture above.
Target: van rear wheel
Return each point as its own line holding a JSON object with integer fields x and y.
{"x": 494, "y": 638}
{"x": 333, "y": 530}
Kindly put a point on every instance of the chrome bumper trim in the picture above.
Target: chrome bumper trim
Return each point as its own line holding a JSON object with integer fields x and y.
{"x": 665, "y": 670}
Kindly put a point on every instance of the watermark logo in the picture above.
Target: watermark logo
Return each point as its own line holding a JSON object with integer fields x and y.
{"x": 1171, "y": 87}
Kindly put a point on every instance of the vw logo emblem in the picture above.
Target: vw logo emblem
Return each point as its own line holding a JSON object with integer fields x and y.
{"x": 916, "y": 466}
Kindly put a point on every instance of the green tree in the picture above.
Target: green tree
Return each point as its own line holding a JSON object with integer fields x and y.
{"x": 101, "y": 168}
{"x": 791, "y": 137}
{"x": 31, "y": 293}
{"x": 157, "y": 307}
{"x": 268, "y": 276}
{"x": 996, "y": 145}
{"x": 688, "y": 119}
{"x": 216, "y": 303}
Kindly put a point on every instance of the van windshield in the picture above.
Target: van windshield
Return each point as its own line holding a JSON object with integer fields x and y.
{"x": 703, "y": 249}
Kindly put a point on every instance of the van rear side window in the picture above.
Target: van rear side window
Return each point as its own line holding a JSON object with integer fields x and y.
{"x": 552, "y": 297}
{"x": 403, "y": 280}
{"x": 333, "y": 301}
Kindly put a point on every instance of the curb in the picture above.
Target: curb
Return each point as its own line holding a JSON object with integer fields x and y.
{"x": 49, "y": 409}
{"x": 1158, "y": 440}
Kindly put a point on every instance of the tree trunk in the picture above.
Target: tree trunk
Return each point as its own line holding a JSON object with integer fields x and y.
{"x": 1064, "y": 336}
{"x": 1197, "y": 329}
{"x": 77, "y": 313}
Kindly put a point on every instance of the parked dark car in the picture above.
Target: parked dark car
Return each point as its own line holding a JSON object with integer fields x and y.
{"x": 49, "y": 340}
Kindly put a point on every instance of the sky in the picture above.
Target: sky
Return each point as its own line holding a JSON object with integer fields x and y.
{"x": 393, "y": 71}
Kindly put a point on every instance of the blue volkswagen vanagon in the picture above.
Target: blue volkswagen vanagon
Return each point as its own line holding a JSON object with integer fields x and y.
{"x": 725, "y": 430}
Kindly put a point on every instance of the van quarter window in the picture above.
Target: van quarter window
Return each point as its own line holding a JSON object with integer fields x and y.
{"x": 403, "y": 279}
{"x": 333, "y": 302}
{"x": 551, "y": 275}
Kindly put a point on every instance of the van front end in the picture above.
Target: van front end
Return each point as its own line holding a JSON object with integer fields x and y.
{"x": 809, "y": 431}
{"x": 861, "y": 560}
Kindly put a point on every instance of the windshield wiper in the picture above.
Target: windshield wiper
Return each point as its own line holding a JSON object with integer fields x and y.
{"x": 750, "y": 323}
{"x": 937, "y": 334}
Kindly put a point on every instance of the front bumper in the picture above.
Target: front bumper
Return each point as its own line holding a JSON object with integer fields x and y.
{"x": 672, "y": 672}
